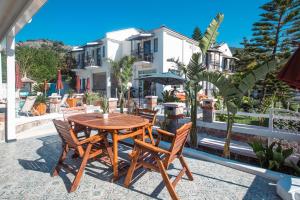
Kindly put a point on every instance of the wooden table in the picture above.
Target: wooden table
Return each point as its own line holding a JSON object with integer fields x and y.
{"x": 113, "y": 124}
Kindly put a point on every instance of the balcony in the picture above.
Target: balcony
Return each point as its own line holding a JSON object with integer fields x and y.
{"x": 88, "y": 63}
{"x": 141, "y": 55}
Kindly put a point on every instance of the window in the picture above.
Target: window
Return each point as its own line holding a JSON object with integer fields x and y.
{"x": 78, "y": 58}
{"x": 103, "y": 51}
{"x": 99, "y": 56}
{"x": 155, "y": 44}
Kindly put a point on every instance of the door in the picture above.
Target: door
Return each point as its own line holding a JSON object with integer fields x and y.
{"x": 147, "y": 47}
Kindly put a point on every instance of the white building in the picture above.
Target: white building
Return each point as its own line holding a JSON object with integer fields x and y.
{"x": 152, "y": 50}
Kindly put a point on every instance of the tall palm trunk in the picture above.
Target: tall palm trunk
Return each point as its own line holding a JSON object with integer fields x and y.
{"x": 194, "y": 140}
{"x": 121, "y": 99}
{"x": 230, "y": 121}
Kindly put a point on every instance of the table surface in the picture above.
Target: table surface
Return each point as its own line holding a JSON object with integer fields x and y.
{"x": 115, "y": 121}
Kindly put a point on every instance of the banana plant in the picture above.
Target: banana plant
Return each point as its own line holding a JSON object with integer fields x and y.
{"x": 122, "y": 72}
{"x": 197, "y": 66}
{"x": 232, "y": 90}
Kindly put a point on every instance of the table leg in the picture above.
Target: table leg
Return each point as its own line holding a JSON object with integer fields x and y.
{"x": 115, "y": 154}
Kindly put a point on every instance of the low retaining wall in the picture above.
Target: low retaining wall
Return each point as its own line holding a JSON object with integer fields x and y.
{"x": 235, "y": 135}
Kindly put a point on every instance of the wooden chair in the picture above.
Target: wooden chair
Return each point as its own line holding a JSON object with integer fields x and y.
{"x": 67, "y": 112}
{"x": 160, "y": 159}
{"x": 86, "y": 149}
{"x": 151, "y": 116}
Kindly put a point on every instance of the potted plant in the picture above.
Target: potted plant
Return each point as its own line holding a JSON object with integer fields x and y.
{"x": 40, "y": 106}
{"x": 104, "y": 106}
{"x": 71, "y": 101}
{"x": 91, "y": 98}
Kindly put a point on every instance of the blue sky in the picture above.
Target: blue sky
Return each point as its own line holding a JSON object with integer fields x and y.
{"x": 76, "y": 22}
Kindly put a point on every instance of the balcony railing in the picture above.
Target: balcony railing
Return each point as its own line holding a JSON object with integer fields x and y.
{"x": 141, "y": 55}
{"x": 88, "y": 62}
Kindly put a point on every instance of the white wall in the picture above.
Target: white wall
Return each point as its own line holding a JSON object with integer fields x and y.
{"x": 122, "y": 35}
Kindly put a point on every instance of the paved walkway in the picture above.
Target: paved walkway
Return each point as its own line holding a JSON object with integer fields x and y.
{"x": 25, "y": 168}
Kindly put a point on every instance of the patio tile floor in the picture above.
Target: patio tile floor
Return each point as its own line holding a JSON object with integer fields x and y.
{"x": 25, "y": 168}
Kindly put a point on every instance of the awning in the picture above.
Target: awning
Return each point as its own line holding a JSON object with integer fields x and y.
{"x": 14, "y": 14}
{"x": 167, "y": 78}
{"x": 140, "y": 36}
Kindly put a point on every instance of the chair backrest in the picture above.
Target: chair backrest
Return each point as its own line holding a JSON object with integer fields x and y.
{"x": 179, "y": 140}
{"x": 148, "y": 114}
{"x": 67, "y": 135}
{"x": 64, "y": 99}
{"x": 67, "y": 112}
{"x": 29, "y": 102}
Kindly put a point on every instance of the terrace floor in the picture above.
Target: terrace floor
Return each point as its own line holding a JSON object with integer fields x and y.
{"x": 25, "y": 168}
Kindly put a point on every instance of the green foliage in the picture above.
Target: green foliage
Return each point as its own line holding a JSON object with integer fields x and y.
{"x": 219, "y": 103}
{"x": 40, "y": 99}
{"x": 271, "y": 157}
{"x": 38, "y": 64}
{"x": 71, "y": 92}
{"x": 104, "y": 104}
{"x": 122, "y": 72}
{"x": 38, "y": 87}
{"x": 197, "y": 35}
{"x": 273, "y": 36}
{"x": 296, "y": 168}
{"x": 169, "y": 97}
{"x": 247, "y": 103}
{"x": 91, "y": 98}
{"x": 211, "y": 33}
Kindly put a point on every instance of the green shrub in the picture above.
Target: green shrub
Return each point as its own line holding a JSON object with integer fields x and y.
{"x": 271, "y": 157}
{"x": 169, "y": 97}
{"x": 91, "y": 98}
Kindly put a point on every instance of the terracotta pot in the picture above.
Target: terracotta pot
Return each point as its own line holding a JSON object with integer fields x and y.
{"x": 72, "y": 102}
{"x": 40, "y": 109}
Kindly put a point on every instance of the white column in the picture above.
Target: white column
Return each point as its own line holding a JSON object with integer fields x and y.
{"x": 0, "y": 69}
{"x": 108, "y": 84}
{"x": 11, "y": 91}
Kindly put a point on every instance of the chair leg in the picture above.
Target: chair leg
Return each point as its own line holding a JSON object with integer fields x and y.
{"x": 132, "y": 168}
{"x": 150, "y": 135}
{"x": 187, "y": 171}
{"x": 166, "y": 179}
{"x": 60, "y": 161}
{"x": 108, "y": 149}
{"x": 81, "y": 169}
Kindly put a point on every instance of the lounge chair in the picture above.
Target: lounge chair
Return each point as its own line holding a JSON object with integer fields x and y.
{"x": 28, "y": 105}
{"x": 63, "y": 102}
{"x": 157, "y": 159}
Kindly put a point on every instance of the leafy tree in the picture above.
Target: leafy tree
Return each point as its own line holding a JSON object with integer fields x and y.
{"x": 272, "y": 36}
{"x": 197, "y": 35}
{"x": 272, "y": 33}
{"x": 38, "y": 64}
{"x": 122, "y": 72}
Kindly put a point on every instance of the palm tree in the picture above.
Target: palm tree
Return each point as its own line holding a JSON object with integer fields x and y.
{"x": 196, "y": 66}
{"x": 233, "y": 88}
{"x": 122, "y": 72}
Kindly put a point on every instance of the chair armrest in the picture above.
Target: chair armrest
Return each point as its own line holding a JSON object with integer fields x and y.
{"x": 166, "y": 133}
{"x": 92, "y": 139}
{"x": 150, "y": 147}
